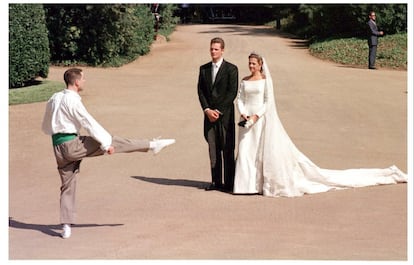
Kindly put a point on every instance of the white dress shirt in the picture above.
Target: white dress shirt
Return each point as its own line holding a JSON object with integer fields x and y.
{"x": 65, "y": 113}
{"x": 216, "y": 67}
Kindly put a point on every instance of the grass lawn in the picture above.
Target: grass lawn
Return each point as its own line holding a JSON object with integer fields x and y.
{"x": 38, "y": 92}
{"x": 391, "y": 51}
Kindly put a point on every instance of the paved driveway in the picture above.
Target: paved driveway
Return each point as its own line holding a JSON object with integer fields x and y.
{"x": 140, "y": 206}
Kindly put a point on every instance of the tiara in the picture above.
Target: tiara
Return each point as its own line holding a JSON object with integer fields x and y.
{"x": 255, "y": 53}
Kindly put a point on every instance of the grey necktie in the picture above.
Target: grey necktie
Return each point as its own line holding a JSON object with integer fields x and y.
{"x": 214, "y": 72}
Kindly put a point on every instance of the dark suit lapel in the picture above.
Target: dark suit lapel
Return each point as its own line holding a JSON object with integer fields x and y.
{"x": 209, "y": 77}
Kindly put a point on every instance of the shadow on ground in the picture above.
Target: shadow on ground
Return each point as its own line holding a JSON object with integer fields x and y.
{"x": 261, "y": 31}
{"x": 49, "y": 229}
{"x": 174, "y": 182}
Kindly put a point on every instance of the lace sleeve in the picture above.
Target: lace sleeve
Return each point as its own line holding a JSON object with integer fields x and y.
{"x": 241, "y": 99}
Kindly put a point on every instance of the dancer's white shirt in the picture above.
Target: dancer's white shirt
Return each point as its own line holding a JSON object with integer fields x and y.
{"x": 65, "y": 113}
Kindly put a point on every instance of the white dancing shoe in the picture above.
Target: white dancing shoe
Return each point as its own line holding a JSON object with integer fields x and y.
{"x": 401, "y": 176}
{"x": 66, "y": 231}
{"x": 159, "y": 144}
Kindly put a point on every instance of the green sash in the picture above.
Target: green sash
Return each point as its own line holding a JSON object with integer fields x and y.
{"x": 60, "y": 138}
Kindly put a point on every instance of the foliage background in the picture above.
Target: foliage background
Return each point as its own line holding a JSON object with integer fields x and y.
{"x": 99, "y": 34}
{"x": 28, "y": 44}
{"x": 79, "y": 34}
{"x": 115, "y": 34}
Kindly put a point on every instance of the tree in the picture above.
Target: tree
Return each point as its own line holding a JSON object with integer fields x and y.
{"x": 29, "y": 55}
{"x": 99, "y": 34}
{"x": 321, "y": 21}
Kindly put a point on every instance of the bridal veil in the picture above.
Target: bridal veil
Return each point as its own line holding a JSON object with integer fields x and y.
{"x": 288, "y": 172}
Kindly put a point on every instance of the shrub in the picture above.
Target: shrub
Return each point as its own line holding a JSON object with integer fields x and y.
{"x": 29, "y": 55}
{"x": 321, "y": 21}
{"x": 169, "y": 21}
{"x": 99, "y": 34}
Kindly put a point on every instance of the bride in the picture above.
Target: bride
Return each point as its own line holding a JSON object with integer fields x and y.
{"x": 269, "y": 163}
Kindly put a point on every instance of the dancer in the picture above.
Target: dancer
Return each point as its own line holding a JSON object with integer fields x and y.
{"x": 269, "y": 163}
{"x": 65, "y": 115}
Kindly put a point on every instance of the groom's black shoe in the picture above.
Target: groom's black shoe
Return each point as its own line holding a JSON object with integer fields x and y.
{"x": 228, "y": 189}
{"x": 212, "y": 187}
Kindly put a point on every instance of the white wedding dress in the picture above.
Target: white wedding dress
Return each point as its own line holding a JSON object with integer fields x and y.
{"x": 269, "y": 163}
{"x": 251, "y": 100}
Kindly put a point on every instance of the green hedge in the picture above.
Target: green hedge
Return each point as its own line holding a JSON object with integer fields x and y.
{"x": 29, "y": 55}
{"x": 322, "y": 21}
{"x": 99, "y": 34}
{"x": 168, "y": 20}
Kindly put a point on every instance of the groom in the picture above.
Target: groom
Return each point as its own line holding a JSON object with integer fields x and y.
{"x": 217, "y": 89}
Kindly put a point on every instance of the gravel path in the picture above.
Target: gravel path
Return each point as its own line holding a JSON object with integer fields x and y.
{"x": 140, "y": 206}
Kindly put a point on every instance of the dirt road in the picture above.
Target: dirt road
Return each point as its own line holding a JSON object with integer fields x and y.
{"x": 140, "y": 206}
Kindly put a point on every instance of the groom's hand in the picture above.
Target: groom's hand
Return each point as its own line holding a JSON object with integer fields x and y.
{"x": 212, "y": 115}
